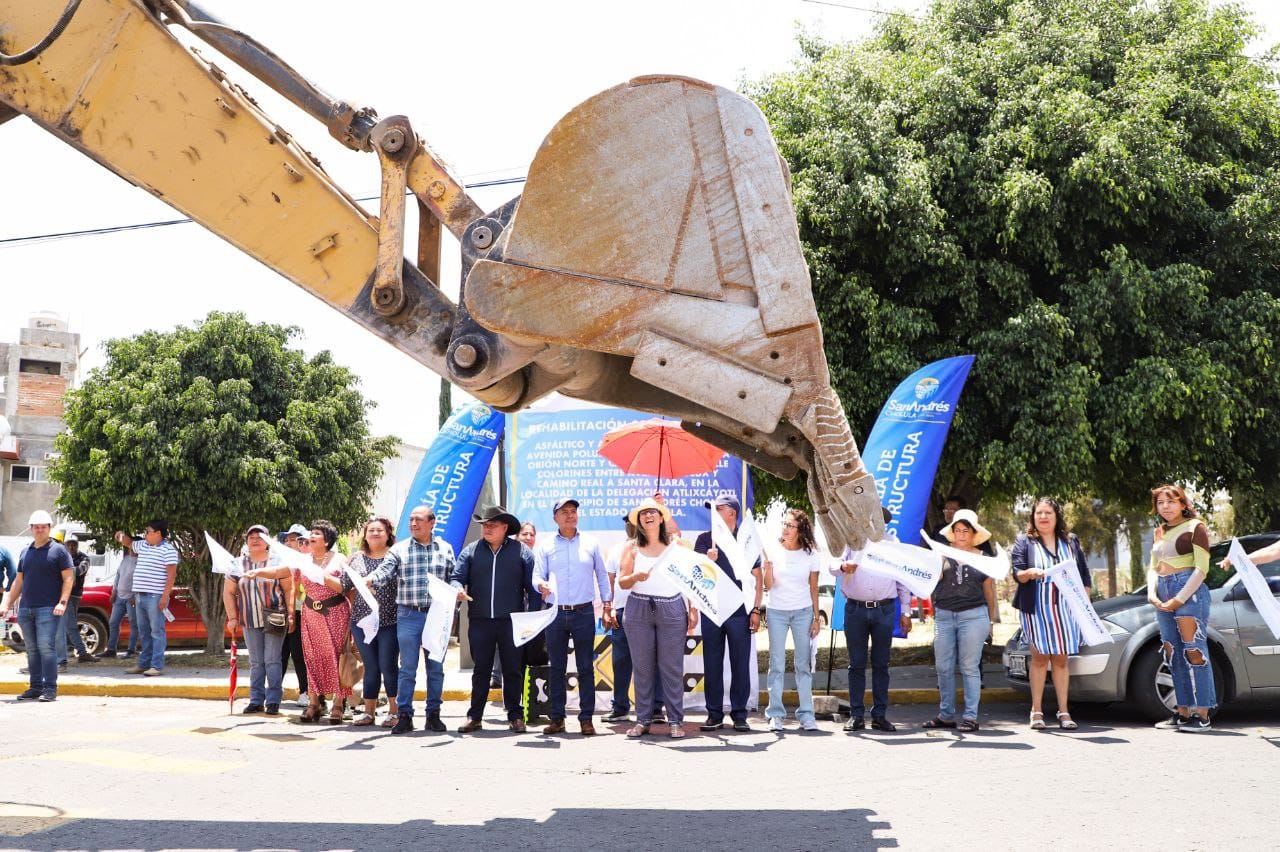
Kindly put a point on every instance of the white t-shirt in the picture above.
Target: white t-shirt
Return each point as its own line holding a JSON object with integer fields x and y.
{"x": 790, "y": 589}
{"x": 657, "y": 585}
{"x": 612, "y": 561}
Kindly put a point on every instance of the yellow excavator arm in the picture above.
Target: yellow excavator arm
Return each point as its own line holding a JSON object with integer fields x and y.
{"x": 652, "y": 261}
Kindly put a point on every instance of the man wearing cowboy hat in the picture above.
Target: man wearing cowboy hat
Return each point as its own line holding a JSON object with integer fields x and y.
{"x": 494, "y": 573}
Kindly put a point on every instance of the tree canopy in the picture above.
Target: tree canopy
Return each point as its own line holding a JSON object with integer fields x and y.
{"x": 215, "y": 428}
{"x": 1083, "y": 194}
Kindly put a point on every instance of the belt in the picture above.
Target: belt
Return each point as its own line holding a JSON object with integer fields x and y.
{"x": 870, "y": 604}
{"x": 328, "y": 603}
{"x": 574, "y": 607}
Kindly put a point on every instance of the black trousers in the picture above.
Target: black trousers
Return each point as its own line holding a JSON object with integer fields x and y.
{"x": 293, "y": 649}
{"x": 492, "y": 637}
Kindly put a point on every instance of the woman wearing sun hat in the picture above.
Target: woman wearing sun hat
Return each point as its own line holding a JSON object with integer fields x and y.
{"x": 964, "y": 604}
{"x": 657, "y": 619}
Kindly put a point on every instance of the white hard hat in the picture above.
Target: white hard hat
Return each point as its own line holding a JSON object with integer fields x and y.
{"x": 40, "y": 516}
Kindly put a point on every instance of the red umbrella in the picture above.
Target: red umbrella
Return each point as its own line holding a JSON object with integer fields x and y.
{"x": 659, "y": 448}
{"x": 231, "y": 695}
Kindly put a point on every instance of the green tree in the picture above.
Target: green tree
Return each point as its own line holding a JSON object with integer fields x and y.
{"x": 215, "y": 428}
{"x": 1083, "y": 194}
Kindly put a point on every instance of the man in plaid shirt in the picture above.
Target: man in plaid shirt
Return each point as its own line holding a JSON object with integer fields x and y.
{"x": 420, "y": 555}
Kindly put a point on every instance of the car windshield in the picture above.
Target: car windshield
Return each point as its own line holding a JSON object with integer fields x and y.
{"x": 1218, "y": 577}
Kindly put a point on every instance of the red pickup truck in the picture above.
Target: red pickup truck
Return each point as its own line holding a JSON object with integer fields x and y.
{"x": 186, "y": 629}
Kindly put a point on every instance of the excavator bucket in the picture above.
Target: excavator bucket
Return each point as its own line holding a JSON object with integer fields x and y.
{"x": 656, "y": 226}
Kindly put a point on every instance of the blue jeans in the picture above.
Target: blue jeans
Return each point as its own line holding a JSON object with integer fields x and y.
{"x": 736, "y": 633}
{"x": 121, "y": 609}
{"x": 581, "y": 625}
{"x": 70, "y": 631}
{"x": 862, "y": 623}
{"x": 1192, "y": 681}
{"x": 265, "y": 669}
{"x": 40, "y": 629}
{"x": 620, "y": 654}
{"x": 381, "y": 660}
{"x": 798, "y": 621}
{"x": 150, "y": 630}
{"x": 959, "y": 636}
{"x": 409, "y": 624}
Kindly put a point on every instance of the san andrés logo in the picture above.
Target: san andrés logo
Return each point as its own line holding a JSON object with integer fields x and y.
{"x": 924, "y": 404}
{"x": 704, "y": 575}
{"x": 458, "y": 428}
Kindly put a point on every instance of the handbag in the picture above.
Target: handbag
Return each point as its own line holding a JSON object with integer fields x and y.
{"x": 274, "y": 618}
{"x": 350, "y": 667}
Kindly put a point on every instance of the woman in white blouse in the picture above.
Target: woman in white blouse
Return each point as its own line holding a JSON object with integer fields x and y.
{"x": 792, "y": 583}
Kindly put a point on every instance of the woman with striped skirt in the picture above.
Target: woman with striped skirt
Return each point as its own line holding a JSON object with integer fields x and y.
{"x": 1050, "y": 631}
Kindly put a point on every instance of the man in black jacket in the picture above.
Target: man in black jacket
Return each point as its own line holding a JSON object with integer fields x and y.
{"x": 494, "y": 573}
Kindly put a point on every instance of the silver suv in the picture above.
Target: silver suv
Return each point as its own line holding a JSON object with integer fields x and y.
{"x": 1246, "y": 657}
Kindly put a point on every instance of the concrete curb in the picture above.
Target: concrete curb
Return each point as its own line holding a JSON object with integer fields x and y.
{"x": 218, "y": 692}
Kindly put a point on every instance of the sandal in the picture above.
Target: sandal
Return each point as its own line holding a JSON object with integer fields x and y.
{"x": 389, "y": 722}
{"x": 968, "y": 726}
{"x": 677, "y": 731}
{"x": 309, "y": 716}
{"x": 637, "y": 731}
{"x": 1037, "y": 720}
{"x": 364, "y": 720}
{"x": 1065, "y": 722}
{"x": 938, "y": 722}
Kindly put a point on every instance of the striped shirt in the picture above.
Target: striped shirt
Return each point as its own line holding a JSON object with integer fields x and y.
{"x": 255, "y": 597}
{"x": 151, "y": 573}
{"x": 414, "y": 562}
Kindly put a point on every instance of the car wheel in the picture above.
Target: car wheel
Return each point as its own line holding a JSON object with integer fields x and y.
{"x": 92, "y": 632}
{"x": 1151, "y": 683}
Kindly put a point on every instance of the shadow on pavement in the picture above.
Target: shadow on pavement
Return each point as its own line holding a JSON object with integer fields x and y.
{"x": 564, "y": 829}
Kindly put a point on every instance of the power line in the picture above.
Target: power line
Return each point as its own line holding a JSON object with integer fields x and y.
{"x": 991, "y": 28}
{"x": 36, "y": 239}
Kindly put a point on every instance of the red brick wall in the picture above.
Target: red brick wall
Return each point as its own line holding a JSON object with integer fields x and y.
{"x": 40, "y": 396}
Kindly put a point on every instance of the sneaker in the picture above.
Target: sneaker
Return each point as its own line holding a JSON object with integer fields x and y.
{"x": 855, "y": 723}
{"x": 615, "y": 717}
{"x": 1195, "y": 725}
{"x": 250, "y": 709}
{"x": 153, "y": 672}
{"x": 135, "y": 670}
{"x": 404, "y": 724}
{"x": 86, "y": 657}
{"x": 808, "y": 725}
{"x": 129, "y": 654}
{"x": 713, "y": 723}
{"x": 659, "y": 717}
{"x": 48, "y": 696}
{"x": 107, "y": 655}
{"x": 775, "y": 725}
{"x": 62, "y": 668}
{"x": 273, "y": 709}
{"x": 1173, "y": 723}
{"x": 303, "y": 700}
{"x": 29, "y": 695}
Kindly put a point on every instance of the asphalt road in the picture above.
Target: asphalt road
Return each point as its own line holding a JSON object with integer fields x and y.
{"x": 124, "y": 773}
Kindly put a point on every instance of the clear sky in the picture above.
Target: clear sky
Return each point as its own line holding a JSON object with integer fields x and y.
{"x": 482, "y": 84}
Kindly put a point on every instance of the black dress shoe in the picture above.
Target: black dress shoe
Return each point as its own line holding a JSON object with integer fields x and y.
{"x": 741, "y": 726}
{"x": 251, "y": 709}
{"x": 712, "y": 724}
{"x": 404, "y": 724}
{"x": 434, "y": 723}
{"x": 273, "y": 709}
{"x": 880, "y": 723}
{"x": 855, "y": 723}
